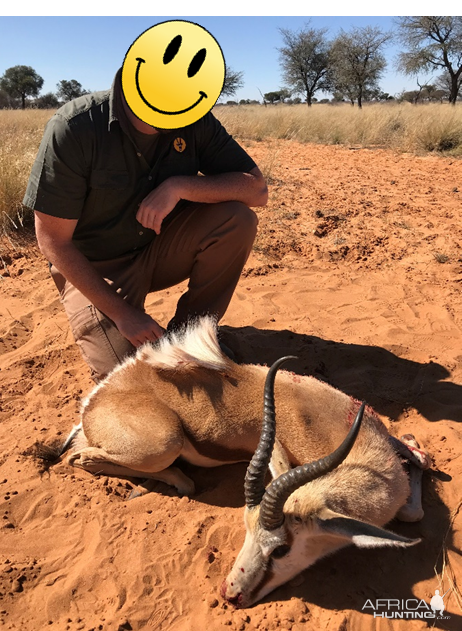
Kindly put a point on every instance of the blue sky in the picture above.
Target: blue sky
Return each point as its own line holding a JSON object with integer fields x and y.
{"x": 91, "y": 49}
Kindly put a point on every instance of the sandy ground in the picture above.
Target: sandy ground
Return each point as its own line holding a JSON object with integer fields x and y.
{"x": 357, "y": 269}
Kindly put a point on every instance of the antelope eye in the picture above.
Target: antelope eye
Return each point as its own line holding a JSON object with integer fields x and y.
{"x": 280, "y": 552}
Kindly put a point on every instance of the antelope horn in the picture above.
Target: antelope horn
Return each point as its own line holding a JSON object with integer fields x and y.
{"x": 275, "y": 496}
{"x": 254, "y": 485}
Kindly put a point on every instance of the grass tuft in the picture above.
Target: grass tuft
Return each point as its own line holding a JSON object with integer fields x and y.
{"x": 20, "y": 136}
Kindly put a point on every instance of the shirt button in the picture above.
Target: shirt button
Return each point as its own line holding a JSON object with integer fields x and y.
{"x": 149, "y": 177}
{"x": 140, "y": 232}
{"x": 139, "y": 155}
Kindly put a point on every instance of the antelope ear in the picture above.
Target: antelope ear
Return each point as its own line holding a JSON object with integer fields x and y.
{"x": 279, "y": 462}
{"x": 360, "y": 533}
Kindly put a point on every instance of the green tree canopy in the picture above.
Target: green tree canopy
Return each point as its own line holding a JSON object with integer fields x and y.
{"x": 277, "y": 96}
{"x": 47, "y": 101}
{"x": 68, "y": 90}
{"x": 21, "y": 82}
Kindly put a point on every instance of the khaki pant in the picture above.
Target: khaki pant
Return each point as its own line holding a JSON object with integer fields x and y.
{"x": 207, "y": 243}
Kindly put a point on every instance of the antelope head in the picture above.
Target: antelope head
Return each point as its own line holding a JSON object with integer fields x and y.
{"x": 284, "y": 539}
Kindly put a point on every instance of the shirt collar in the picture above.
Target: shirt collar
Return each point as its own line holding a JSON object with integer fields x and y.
{"x": 115, "y": 101}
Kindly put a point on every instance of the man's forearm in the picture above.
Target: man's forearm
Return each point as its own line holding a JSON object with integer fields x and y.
{"x": 54, "y": 236}
{"x": 76, "y": 268}
{"x": 132, "y": 322}
{"x": 241, "y": 187}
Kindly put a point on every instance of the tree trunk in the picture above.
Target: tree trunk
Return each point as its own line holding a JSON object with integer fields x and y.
{"x": 454, "y": 89}
{"x": 23, "y": 99}
{"x": 309, "y": 94}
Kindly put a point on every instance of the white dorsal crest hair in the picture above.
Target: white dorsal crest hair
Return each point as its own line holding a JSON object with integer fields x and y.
{"x": 194, "y": 345}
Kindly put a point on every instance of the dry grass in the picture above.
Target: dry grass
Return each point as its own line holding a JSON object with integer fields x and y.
{"x": 404, "y": 127}
{"x": 447, "y": 575}
{"x": 434, "y": 127}
{"x": 20, "y": 136}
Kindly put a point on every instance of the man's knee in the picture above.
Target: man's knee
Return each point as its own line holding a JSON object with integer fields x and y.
{"x": 244, "y": 220}
{"x": 248, "y": 219}
{"x": 101, "y": 344}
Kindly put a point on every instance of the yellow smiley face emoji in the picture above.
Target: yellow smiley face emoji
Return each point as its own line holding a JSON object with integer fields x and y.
{"x": 173, "y": 74}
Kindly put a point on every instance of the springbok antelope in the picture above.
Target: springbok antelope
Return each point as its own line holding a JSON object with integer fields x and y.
{"x": 183, "y": 398}
{"x": 317, "y": 508}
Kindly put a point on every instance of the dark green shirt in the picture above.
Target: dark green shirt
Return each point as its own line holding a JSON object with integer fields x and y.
{"x": 90, "y": 168}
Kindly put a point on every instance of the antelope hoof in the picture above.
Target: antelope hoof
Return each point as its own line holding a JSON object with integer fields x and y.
{"x": 421, "y": 455}
{"x": 410, "y": 439}
{"x": 142, "y": 489}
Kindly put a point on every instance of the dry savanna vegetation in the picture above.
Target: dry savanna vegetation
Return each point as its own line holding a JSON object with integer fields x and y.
{"x": 20, "y": 134}
{"x": 401, "y": 127}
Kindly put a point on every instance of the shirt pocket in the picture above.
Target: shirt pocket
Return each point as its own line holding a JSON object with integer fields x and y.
{"x": 109, "y": 193}
{"x": 106, "y": 179}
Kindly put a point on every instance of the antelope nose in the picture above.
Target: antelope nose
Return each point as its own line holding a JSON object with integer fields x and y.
{"x": 232, "y": 600}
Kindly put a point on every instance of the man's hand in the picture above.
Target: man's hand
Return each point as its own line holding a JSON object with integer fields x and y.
{"x": 158, "y": 204}
{"x": 138, "y": 327}
{"x": 248, "y": 188}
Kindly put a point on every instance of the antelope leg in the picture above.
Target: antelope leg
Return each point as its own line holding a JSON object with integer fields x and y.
{"x": 97, "y": 461}
{"x": 412, "y": 510}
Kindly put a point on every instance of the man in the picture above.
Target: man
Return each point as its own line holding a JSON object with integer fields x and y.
{"x": 123, "y": 209}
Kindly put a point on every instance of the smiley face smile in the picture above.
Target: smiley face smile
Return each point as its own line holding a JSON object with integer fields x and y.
{"x": 156, "y": 109}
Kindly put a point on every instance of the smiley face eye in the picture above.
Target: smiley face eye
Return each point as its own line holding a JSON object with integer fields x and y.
{"x": 196, "y": 62}
{"x": 172, "y": 49}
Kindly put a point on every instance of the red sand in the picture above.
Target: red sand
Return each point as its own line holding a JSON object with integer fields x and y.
{"x": 357, "y": 269}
